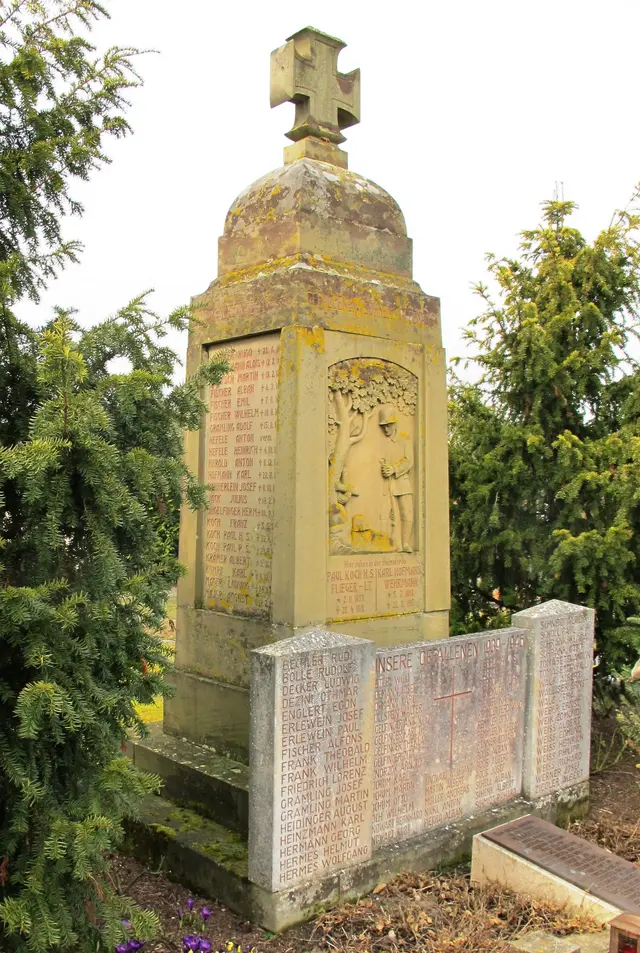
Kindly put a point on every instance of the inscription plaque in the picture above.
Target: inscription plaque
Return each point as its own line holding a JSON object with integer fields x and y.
{"x": 558, "y": 729}
{"x": 606, "y": 876}
{"x": 240, "y": 465}
{"x": 399, "y": 751}
{"x": 449, "y": 730}
{"x": 311, "y": 757}
{"x": 374, "y": 585}
{"x": 475, "y": 699}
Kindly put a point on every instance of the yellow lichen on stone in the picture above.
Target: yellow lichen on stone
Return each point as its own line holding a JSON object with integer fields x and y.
{"x": 315, "y": 262}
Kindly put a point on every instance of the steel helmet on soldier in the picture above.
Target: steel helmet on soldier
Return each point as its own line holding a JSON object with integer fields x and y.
{"x": 388, "y": 415}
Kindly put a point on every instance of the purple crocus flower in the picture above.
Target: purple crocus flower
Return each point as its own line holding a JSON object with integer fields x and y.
{"x": 190, "y": 902}
{"x": 121, "y": 948}
{"x": 204, "y": 945}
{"x": 134, "y": 945}
{"x": 206, "y": 913}
{"x": 180, "y": 914}
{"x": 126, "y": 924}
{"x": 190, "y": 943}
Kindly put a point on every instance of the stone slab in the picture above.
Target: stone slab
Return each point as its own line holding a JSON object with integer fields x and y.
{"x": 449, "y": 730}
{"x": 592, "y": 942}
{"x": 475, "y": 715}
{"x": 196, "y": 777}
{"x": 240, "y": 440}
{"x": 311, "y": 757}
{"x": 212, "y": 862}
{"x": 559, "y": 689}
{"x": 592, "y": 869}
{"x": 493, "y": 864}
{"x": 541, "y": 942}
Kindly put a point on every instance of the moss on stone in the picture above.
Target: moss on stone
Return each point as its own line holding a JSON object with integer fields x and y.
{"x": 228, "y": 851}
{"x": 571, "y": 811}
{"x": 457, "y": 862}
{"x": 186, "y": 820}
{"x": 161, "y": 829}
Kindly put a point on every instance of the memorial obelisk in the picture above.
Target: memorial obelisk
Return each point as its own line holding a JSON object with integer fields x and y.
{"x": 326, "y": 446}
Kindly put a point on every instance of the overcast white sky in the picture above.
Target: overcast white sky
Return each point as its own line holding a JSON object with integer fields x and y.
{"x": 471, "y": 111}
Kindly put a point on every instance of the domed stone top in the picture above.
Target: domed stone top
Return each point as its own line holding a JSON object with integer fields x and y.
{"x": 311, "y": 186}
{"x": 314, "y": 208}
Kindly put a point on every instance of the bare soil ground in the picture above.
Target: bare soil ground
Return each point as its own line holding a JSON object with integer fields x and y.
{"x": 417, "y": 913}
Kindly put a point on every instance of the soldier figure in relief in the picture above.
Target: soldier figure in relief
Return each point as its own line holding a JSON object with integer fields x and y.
{"x": 396, "y": 470}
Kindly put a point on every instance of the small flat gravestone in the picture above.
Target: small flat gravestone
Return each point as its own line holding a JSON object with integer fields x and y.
{"x": 586, "y": 866}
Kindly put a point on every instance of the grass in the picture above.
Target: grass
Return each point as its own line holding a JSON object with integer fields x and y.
{"x": 155, "y": 711}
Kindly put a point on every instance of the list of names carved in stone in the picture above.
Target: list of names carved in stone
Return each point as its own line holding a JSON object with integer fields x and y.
{"x": 475, "y": 698}
{"x": 240, "y": 466}
{"x": 323, "y": 775}
{"x": 562, "y": 721}
{"x": 399, "y": 751}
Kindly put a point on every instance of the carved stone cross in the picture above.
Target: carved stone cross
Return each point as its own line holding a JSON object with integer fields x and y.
{"x": 452, "y": 698}
{"x": 305, "y": 71}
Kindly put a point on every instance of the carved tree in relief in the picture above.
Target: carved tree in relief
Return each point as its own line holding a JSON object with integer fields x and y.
{"x": 356, "y": 388}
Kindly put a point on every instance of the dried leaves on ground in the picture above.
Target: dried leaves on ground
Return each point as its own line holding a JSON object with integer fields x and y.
{"x": 424, "y": 913}
{"x": 416, "y": 913}
{"x": 421, "y": 913}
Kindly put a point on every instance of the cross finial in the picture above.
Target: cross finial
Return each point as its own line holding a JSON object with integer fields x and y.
{"x": 305, "y": 71}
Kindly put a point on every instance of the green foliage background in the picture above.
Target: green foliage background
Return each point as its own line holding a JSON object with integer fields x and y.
{"x": 544, "y": 459}
{"x": 91, "y": 478}
{"x": 545, "y": 444}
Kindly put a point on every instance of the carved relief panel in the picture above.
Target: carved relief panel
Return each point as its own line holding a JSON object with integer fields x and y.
{"x": 372, "y": 452}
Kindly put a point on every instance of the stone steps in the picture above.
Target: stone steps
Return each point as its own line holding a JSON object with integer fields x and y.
{"x": 196, "y": 777}
{"x": 213, "y": 861}
{"x": 193, "y": 850}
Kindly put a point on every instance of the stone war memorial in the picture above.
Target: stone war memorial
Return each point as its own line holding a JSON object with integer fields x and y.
{"x": 324, "y": 731}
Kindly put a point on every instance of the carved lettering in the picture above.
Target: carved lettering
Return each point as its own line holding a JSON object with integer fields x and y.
{"x": 237, "y": 574}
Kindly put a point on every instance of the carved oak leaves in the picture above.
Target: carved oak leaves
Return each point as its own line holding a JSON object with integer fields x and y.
{"x": 357, "y": 388}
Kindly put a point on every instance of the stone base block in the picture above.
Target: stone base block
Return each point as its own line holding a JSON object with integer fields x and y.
{"x": 492, "y": 863}
{"x": 218, "y": 646}
{"x": 208, "y": 712}
{"x": 214, "y": 861}
{"x": 541, "y": 942}
{"x": 592, "y": 942}
{"x": 196, "y": 777}
{"x": 397, "y": 630}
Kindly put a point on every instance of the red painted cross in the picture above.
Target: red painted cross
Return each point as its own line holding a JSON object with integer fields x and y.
{"x": 454, "y": 694}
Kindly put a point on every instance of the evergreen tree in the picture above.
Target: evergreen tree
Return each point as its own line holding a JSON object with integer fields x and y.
{"x": 90, "y": 473}
{"x": 59, "y": 102}
{"x": 84, "y": 575}
{"x": 545, "y": 447}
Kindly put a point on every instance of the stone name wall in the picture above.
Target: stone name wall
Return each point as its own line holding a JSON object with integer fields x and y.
{"x": 353, "y": 749}
{"x": 558, "y": 730}
{"x": 311, "y": 749}
{"x": 449, "y": 730}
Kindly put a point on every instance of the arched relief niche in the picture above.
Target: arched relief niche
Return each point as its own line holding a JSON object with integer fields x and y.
{"x": 374, "y": 565}
{"x": 371, "y": 440}
{"x": 371, "y": 449}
